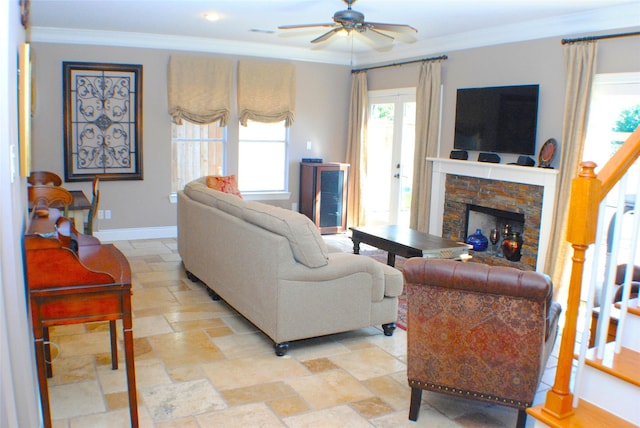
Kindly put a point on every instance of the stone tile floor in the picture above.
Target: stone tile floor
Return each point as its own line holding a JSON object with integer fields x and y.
{"x": 200, "y": 364}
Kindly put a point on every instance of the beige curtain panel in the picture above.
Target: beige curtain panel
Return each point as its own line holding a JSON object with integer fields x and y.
{"x": 427, "y": 121}
{"x": 266, "y": 92}
{"x": 200, "y": 89}
{"x": 356, "y": 148}
{"x": 580, "y": 63}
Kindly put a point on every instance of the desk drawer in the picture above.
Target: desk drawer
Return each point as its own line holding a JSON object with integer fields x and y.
{"x": 71, "y": 308}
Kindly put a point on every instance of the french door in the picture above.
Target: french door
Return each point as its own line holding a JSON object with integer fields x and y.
{"x": 389, "y": 151}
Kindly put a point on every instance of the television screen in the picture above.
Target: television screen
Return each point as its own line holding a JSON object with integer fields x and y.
{"x": 501, "y": 119}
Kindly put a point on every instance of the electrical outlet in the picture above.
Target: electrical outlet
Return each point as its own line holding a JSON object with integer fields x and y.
{"x": 100, "y": 214}
{"x": 107, "y": 214}
{"x": 308, "y": 145}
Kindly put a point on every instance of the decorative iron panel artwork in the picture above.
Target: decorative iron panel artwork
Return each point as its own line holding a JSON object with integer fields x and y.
{"x": 102, "y": 121}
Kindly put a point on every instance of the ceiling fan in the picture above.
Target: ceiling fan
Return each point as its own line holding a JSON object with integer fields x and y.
{"x": 351, "y": 20}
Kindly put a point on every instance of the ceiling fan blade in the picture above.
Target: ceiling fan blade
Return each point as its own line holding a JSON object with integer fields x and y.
{"x": 293, "y": 27}
{"x": 398, "y": 28}
{"x": 375, "y": 40}
{"x": 379, "y": 33}
{"x": 326, "y": 35}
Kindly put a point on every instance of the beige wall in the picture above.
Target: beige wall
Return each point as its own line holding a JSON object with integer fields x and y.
{"x": 322, "y": 104}
{"x": 321, "y": 109}
{"x": 533, "y": 62}
{"x": 19, "y": 397}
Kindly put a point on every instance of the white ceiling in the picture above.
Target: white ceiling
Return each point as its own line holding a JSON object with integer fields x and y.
{"x": 443, "y": 25}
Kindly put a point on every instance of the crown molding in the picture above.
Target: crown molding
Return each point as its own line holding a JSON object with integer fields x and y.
{"x": 182, "y": 43}
{"x": 606, "y": 19}
{"x": 603, "y": 19}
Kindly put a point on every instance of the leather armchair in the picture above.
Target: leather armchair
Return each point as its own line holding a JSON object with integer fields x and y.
{"x": 477, "y": 331}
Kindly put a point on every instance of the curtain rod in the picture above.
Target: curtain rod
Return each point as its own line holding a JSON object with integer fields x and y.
{"x": 435, "y": 58}
{"x": 606, "y": 36}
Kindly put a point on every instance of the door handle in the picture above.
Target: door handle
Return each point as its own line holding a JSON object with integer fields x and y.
{"x": 396, "y": 175}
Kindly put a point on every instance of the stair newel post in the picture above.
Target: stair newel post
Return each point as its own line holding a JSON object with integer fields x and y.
{"x": 581, "y": 232}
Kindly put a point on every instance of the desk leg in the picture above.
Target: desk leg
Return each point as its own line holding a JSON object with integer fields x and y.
{"x": 47, "y": 352}
{"x": 127, "y": 327}
{"x": 42, "y": 376}
{"x": 114, "y": 345}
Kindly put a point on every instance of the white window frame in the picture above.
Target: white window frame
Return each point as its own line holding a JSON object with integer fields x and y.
{"x": 267, "y": 194}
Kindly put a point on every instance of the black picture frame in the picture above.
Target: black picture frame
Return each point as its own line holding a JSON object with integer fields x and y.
{"x": 102, "y": 121}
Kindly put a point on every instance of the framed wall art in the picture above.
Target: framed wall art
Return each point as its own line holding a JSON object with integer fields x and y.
{"x": 102, "y": 121}
{"x": 24, "y": 108}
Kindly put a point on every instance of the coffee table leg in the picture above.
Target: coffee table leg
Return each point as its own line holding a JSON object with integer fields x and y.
{"x": 391, "y": 258}
{"x": 356, "y": 246}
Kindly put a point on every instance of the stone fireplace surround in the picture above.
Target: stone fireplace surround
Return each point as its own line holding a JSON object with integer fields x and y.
{"x": 526, "y": 199}
{"x": 492, "y": 185}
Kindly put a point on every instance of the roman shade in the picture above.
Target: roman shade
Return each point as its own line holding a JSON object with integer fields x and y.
{"x": 199, "y": 89}
{"x": 266, "y": 92}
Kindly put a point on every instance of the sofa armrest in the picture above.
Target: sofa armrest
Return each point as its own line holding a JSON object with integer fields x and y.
{"x": 341, "y": 265}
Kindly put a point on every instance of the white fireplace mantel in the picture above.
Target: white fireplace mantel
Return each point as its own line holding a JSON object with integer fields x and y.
{"x": 547, "y": 178}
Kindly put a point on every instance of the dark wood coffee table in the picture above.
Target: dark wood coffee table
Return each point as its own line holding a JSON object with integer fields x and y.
{"x": 405, "y": 242}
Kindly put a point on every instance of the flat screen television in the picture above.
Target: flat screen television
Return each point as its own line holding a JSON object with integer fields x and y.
{"x": 501, "y": 119}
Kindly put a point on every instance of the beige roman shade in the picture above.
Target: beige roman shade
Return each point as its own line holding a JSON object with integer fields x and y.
{"x": 266, "y": 92}
{"x": 200, "y": 89}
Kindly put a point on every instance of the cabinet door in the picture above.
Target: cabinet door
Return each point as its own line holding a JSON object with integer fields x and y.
{"x": 331, "y": 194}
{"x": 331, "y": 208}
{"x": 323, "y": 195}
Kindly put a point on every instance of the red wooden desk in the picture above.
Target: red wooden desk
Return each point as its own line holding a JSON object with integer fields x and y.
{"x": 66, "y": 287}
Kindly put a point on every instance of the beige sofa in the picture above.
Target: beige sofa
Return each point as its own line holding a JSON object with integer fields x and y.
{"x": 274, "y": 268}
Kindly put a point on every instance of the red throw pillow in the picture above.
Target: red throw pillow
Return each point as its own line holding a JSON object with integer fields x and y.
{"x": 224, "y": 183}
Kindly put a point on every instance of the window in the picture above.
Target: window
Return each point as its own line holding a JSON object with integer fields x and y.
{"x": 197, "y": 150}
{"x": 262, "y": 157}
{"x": 613, "y": 114}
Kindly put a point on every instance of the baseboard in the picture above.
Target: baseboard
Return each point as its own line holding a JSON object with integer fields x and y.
{"x": 136, "y": 233}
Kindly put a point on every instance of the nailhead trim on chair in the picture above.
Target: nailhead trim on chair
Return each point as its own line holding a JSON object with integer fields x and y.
{"x": 469, "y": 394}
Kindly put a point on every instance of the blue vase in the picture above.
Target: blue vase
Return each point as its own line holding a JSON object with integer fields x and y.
{"x": 478, "y": 241}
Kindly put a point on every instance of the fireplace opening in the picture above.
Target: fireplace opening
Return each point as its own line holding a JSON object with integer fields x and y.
{"x": 486, "y": 218}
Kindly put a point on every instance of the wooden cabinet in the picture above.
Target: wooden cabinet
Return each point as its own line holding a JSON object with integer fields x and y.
{"x": 323, "y": 195}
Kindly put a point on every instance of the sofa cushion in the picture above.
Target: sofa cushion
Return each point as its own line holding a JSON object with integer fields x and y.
{"x": 305, "y": 240}
{"x": 231, "y": 204}
{"x": 224, "y": 183}
{"x": 198, "y": 191}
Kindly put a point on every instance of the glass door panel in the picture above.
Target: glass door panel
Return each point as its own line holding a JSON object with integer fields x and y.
{"x": 390, "y": 152}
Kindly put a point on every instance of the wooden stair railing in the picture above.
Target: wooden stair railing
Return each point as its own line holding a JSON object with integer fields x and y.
{"x": 587, "y": 191}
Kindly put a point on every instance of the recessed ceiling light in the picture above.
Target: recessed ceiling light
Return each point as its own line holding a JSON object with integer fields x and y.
{"x": 212, "y": 16}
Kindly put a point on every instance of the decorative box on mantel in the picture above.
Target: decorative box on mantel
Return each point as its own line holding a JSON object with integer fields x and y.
{"x": 519, "y": 189}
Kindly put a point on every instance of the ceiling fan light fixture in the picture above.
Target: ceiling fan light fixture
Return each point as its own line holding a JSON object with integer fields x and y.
{"x": 212, "y": 16}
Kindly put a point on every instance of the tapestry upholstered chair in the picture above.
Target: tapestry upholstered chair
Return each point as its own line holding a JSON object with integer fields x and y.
{"x": 477, "y": 331}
